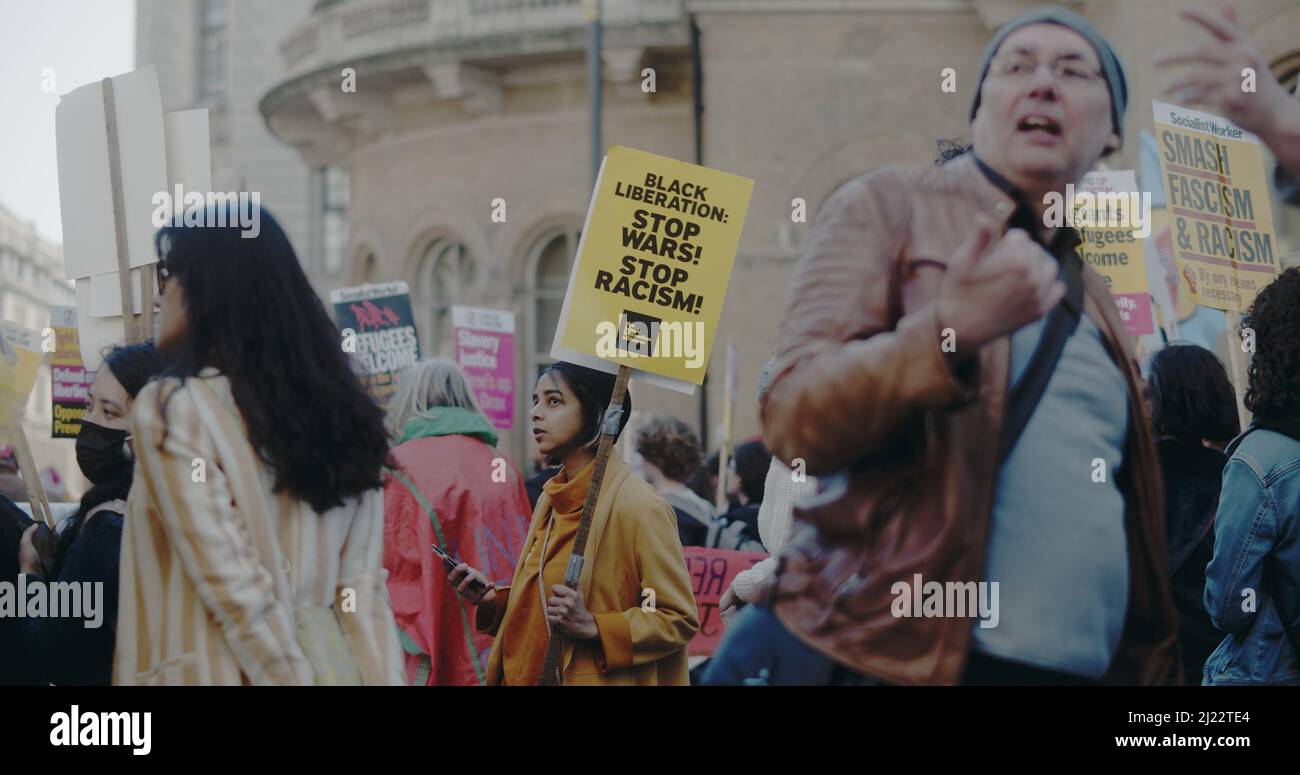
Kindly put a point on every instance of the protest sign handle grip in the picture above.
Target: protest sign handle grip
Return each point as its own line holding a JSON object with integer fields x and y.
{"x": 129, "y": 328}
{"x": 555, "y": 644}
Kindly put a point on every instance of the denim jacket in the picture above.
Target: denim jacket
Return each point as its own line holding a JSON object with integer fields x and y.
{"x": 1256, "y": 525}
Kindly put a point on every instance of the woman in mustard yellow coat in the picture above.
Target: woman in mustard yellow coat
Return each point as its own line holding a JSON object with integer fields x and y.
{"x": 634, "y": 612}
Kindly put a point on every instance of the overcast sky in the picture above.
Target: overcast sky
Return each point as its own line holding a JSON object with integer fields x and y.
{"x": 81, "y": 41}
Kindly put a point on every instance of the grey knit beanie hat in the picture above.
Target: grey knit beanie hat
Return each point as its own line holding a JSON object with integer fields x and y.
{"x": 1111, "y": 68}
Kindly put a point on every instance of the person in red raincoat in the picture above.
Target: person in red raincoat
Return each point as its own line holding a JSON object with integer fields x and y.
{"x": 447, "y": 484}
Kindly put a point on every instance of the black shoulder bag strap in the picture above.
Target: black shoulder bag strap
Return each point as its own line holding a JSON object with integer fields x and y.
{"x": 1059, "y": 326}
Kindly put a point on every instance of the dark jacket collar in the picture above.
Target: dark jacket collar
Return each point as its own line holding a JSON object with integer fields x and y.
{"x": 998, "y": 180}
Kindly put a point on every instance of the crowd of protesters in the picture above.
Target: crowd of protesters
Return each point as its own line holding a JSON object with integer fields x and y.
{"x": 256, "y": 518}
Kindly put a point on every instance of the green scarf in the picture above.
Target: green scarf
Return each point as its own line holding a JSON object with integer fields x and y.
{"x": 448, "y": 421}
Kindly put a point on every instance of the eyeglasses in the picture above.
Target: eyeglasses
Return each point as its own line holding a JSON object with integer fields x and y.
{"x": 1021, "y": 67}
{"x": 162, "y": 274}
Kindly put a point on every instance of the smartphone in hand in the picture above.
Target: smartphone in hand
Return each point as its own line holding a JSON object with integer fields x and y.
{"x": 450, "y": 563}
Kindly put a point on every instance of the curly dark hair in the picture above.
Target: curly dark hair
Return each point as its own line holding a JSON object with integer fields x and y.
{"x": 670, "y": 445}
{"x": 1191, "y": 397}
{"x": 1274, "y": 374}
{"x": 252, "y": 314}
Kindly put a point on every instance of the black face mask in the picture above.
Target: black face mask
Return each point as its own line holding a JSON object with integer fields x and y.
{"x": 102, "y": 453}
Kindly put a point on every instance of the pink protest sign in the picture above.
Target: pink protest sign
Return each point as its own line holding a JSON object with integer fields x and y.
{"x": 712, "y": 571}
{"x": 485, "y": 350}
{"x": 1135, "y": 311}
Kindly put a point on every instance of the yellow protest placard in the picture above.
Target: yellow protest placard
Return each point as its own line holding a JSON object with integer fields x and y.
{"x": 1218, "y": 200}
{"x": 1112, "y": 220}
{"x": 653, "y": 264}
{"x": 20, "y": 359}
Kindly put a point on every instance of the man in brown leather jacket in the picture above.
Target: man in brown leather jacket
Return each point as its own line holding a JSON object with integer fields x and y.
{"x": 915, "y": 323}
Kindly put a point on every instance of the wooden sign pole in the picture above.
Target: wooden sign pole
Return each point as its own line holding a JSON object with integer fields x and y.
{"x": 551, "y": 667}
{"x": 728, "y": 415}
{"x": 146, "y": 305}
{"x": 132, "y": 326}
{"x": 724, "y": 455}
{"x": 31, "y": 475}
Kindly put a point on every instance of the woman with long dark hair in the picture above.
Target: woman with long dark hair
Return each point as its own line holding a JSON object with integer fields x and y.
{"x": 634, "y": 613}
{"x": 253, "y": 549}
{"x": 1193, "y": 408}
{"x": 63, "y": 650}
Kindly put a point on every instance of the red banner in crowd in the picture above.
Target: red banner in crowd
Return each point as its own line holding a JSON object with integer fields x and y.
{"x": 712, "y": 571}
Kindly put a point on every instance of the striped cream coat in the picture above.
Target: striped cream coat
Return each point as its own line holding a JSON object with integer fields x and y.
{"x": 196, "y": 604}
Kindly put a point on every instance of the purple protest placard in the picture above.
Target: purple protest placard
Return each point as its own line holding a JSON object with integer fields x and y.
{"x": 485, "y": 350}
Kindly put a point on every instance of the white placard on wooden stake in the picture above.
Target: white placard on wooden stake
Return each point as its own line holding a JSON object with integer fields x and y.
{"x": 85, "y": 191}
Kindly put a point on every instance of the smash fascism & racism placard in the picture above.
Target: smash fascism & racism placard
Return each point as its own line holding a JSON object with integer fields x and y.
{"x": 1218, "y": 200}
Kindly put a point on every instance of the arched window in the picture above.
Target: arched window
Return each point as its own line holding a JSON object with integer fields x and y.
{"x": 446, "y": 272}
{"x": 334, "y": 187}
{"x": 549, "y": 264}
{"x": 214, "y": 23}
{"x": 369, "y": 268}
